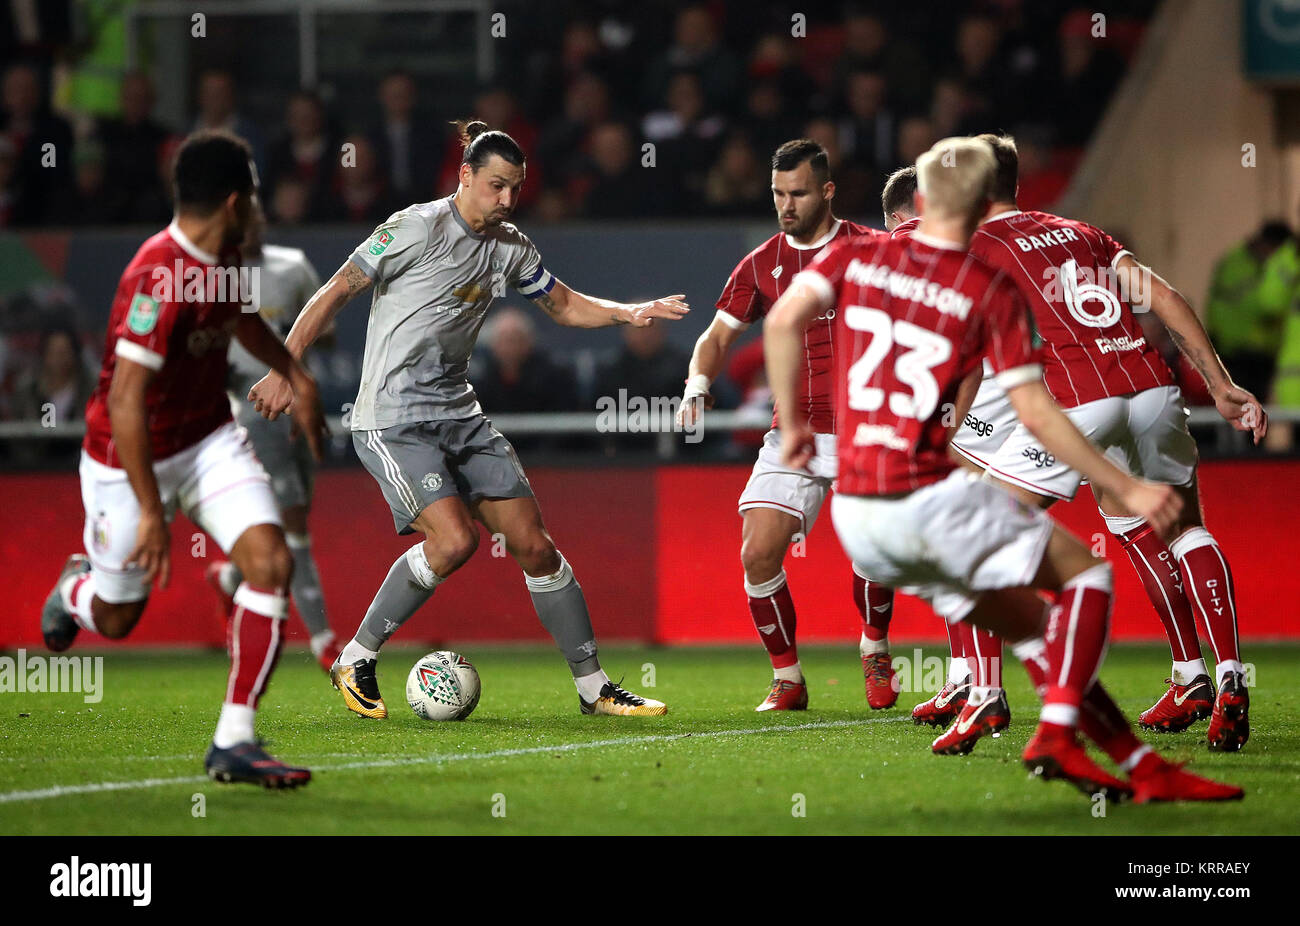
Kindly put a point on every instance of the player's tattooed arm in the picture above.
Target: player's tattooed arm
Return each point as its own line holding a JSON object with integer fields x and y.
{"x": 578, "y": 310}
{"x": 273, "y": 393}
{"x": 1148, "y": 291}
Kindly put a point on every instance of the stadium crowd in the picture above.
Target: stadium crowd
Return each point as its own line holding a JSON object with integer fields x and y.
{"x": 727, "y": 84}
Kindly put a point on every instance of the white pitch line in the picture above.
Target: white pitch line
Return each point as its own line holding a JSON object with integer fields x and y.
{"x": 40, "y": 794}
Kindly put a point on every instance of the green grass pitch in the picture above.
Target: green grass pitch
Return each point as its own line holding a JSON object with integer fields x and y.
{"x": 527, "y": 762}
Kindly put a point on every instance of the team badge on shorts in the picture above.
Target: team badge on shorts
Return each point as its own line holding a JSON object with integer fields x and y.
{"x": 99, "y": 531}
{"x": 432, "y": 482}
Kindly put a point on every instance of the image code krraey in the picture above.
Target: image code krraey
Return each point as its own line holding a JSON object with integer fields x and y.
{"x": 662, "y": 419}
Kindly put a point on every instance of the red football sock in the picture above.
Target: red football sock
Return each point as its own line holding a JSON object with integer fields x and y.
{"x": 1158, "y": 570}
{"x": 960, "y": 643}
{"x": 875, "y": 605}
{"x": 254, "y": 638}
{"x": 772, "y": 609}
{"x": 985, "y": 658}
{"x": 1209, "y": 583}
{"x": 1077, "y": 631}
{"x": 1100, "y": 719}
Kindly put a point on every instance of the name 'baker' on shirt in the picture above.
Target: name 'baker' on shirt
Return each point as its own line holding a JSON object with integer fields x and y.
{"x": 905, "y": 286}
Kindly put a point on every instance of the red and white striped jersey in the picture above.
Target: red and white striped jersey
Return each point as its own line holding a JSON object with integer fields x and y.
{"x": 915, "y": 317}
{"x": 905, "y": 229}
{"x": 755, "y": 285}
{"x": 1093, "y": 346}
{"x": 167, "y": 315}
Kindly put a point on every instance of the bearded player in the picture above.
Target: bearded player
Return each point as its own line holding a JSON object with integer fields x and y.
{"x": 436, "y": 269}
{"x": 286, "y": 280}
{"x": 1082, "y": 288}
{"x": 975, "y": 666}
{"x": 916, "y": 318}
{"x": 779, "y": 503}
{"x": 159, "y": 437}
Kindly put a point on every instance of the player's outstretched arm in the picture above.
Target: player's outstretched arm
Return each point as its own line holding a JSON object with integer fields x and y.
{"x": 1148, "y": 291}
{"x": 1159, "y": 505}
{"x": 273, "y": 394}
{"x": 578, "y": 310}
{"x": 260, "y": 341}
{"x": 705, "y": 367}
{"x": 783, "y": 333}
{"x": 129, "y": 419}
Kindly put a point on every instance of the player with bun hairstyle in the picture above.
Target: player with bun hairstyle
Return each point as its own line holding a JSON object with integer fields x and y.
{"x": 436, "y": 269}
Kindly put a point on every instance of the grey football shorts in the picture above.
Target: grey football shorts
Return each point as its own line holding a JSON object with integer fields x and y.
{"x": 286, "y": 460}
{"x": 417, "y": 464}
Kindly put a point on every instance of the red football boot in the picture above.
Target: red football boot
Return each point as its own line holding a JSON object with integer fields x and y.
{"x": 1054, "y": 752}
{"x": 944, "y": 707}
{"x": 1180, "y": 706}
{"x": 1230, "y": 721}
{"x": 974, "y": 721}
{"x": 1154, "y": 779}
{"x": 881, "y": 683}
{"x": 785, "y": 696}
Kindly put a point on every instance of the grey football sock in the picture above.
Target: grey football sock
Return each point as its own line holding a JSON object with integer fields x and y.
{"x": 409, "y": 584}
{"x": 562, "y": 609}
{"x": 305, "y": 587}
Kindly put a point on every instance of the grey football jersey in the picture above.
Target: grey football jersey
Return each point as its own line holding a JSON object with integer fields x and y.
{"x": 286, "y": 280}
{"x": 435, "y": 280}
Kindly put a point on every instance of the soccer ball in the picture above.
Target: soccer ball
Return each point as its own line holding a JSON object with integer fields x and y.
{"x": 443, "y": 686}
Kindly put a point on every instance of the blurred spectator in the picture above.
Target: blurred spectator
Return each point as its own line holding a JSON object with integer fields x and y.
{"x": 582, "y": 54}
{"x": 88, "y": 201}
{"x": 289, "y": 202}
{"x": 218, "y": 110}
{"x": 696, "y": 48}
{"x": 1088, "y": 74}
{"x": 982, "y": 72}
{"x": 651, "y": 370}
{"x": 361, "y": 192}
{"x": 774, "y": 63}
{"x": 517, "y": 375}
{"x": 686, "y": 136}
{"x": 57, "y": 390}
{"x": 647, "y": 366}
{"x": 39, "y": 171}
{"x": 867, "y": 128}
{"x": 868, "y": 46}
{"x": 1251, "y": 293}
{"x": 738, "y": 183}
{"x": 514, "y": 374}
{"x": 565, "y": 141}
{"x": 406, "y": 145}
{"x": 305, "y": 153}
{"x": 769, "y": 118}
{"x": 915, "y": 137}
{"x": 133, "y": 146}
{"x": 616, "y": 185}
